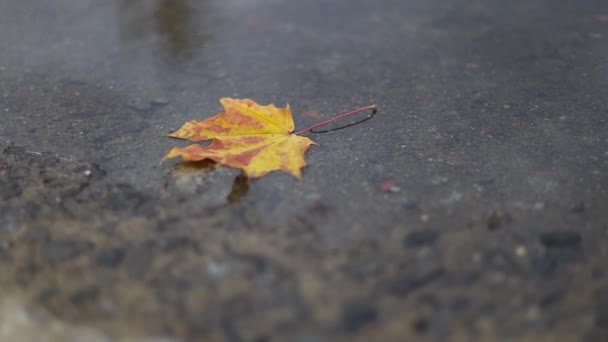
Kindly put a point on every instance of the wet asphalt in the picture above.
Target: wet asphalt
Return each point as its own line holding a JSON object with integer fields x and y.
{"x": 472, "y": 207}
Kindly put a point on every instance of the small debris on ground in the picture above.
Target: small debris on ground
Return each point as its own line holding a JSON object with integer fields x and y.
{"x": 389, "y": 186}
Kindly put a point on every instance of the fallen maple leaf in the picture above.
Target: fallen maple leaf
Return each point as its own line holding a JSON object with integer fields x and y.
{"x": 257, "y": 139}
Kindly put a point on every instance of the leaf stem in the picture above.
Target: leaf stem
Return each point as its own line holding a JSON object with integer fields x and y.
{"x": 373, "y": 108}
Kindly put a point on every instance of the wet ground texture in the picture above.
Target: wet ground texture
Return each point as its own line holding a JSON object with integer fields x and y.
{"x": 472, "y": 207}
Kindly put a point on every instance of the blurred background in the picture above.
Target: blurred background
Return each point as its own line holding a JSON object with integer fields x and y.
{"x": 471, "y": 207}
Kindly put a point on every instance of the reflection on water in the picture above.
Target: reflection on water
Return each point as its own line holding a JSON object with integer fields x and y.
{"x": 240, "y": 187}
{"x": 173, "y": 20}
{"x": 171, "y": 23}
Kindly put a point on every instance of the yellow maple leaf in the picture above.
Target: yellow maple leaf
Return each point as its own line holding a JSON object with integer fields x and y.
{"x": 257, "y": 139}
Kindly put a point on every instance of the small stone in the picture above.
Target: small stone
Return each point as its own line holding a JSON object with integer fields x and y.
{"x": 561, "y": 239}
{"x": 420, "y": 238}
{"x": 521, "y": 251}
